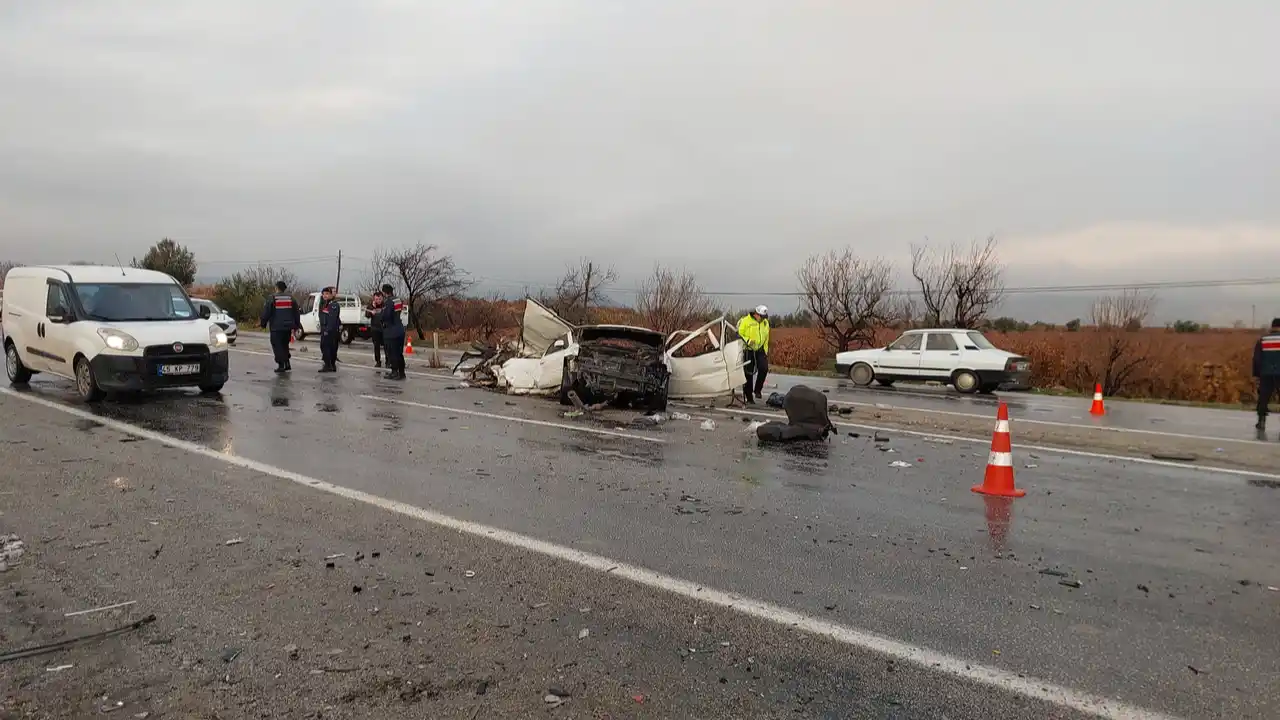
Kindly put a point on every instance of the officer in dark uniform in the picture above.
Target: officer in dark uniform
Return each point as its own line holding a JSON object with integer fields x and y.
{"x": 1266, "y": 370}
{"x": 282, "y": 316}
{"x": 393, "y": 333}
{"x": 374, "y": 313}
{"x": 330, "y": 330}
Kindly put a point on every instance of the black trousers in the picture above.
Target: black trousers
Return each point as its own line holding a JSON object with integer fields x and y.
{"x": 378, "y": 344}
{"x": 329, "y": 349}
{"x": 757, "y": 365}
{"x": 394, "y": 346}
{"x": 280, "y": 346}
{"x": 1267, "y": 387}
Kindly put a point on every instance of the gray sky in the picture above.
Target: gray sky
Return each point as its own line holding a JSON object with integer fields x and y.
{"x": 1128, "y": 140}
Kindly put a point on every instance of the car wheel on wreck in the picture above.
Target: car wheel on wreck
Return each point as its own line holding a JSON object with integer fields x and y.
{"x": 565, "y": 385}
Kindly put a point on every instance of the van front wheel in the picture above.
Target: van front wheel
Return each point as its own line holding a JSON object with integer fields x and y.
{"x": 86, "y": 384}
{"x": 18, "y": 373}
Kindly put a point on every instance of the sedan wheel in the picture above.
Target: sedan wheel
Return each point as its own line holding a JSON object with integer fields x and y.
{"x": 861, "y": 374}
{"x": 965, "y": 381}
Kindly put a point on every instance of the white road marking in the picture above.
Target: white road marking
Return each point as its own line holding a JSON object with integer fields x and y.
{"x": 1000, "y": 679}
{"x": 529, "y": 421}
{"x": 1016, "y": 446}
{"x": 343, "y": 363}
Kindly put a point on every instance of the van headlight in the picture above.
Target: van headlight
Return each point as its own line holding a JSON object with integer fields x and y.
{"x": 117, "y": 340}
{"x": 217, "y": 338}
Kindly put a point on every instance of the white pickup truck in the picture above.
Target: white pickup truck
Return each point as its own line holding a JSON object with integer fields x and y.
{"x": 354, "y": 323}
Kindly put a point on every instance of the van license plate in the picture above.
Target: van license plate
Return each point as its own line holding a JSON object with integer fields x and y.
{"x": 1020, "y": 367}
{"x": 179, "y": 369}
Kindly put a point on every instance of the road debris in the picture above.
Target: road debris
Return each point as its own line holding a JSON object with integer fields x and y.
{"x": 880, "y": 437}
{"x": 335, "y": 556}
{"x": 775, "y": 400}
{"x": 584, "y": 633}
{"x": 90, "y": 544}
{"x": 1176, "y": 457}
{"x": 230, "y": 654}
{"x": 899, "y": 464}
{"x": 1052, "y": 572}
{"x": 469, "y": 573}
{"x": 11, "y": 551}
{"x": 1144, "y": 588}
{"x": 58, "y": 668}
{"x": 291, "y": 651}
{"x": 754, "y": 426}
{"x": 64, "y": 644}
{"x": 234, "y": 541}
{"x": 104, "y": 608}
{"x": 681, "y": 416}
{"x": 1076, "y": 584}
{"x": 708, "y": 425}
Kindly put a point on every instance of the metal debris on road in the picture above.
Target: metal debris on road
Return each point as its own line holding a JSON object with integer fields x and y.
{"x": 335, "y": 556}
{"x": 104, "y": 608}
{"x": 10, "y": 552}
{"x": 681, "y": 416}
{"x": 1051, "y": 571}
{"x": 58, "y": 668}
{"x": 708, "y": 425}
{"x": 234, "y": 541}
{"x": 469, "y": 573}
{"x": 1076, "y": 584}
{"x": 899, "y": 464}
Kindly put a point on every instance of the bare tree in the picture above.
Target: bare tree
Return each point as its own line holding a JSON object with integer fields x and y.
{"x": 673, "y": 300}
{"x": 5, "y": 267}
{"x": 847, "y": 296}
{"x": 422, "y": 275}
{"x": 959, "y": 288}
{"x": 581, "y": 288}
{"x": 1123, "y": 352}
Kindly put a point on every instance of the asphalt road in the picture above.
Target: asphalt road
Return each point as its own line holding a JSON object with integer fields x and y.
{"x": 1174, "y": 612}
{"x": 1226, "y": 425}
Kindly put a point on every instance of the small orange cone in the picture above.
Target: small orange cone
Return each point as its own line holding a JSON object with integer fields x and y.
{"x": 408, "y": 345}
{"x": 998, "y": 480}
{"x": 1097, "y": 408}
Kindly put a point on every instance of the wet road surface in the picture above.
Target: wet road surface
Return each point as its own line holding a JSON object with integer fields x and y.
{"x": 1225, "y": 425}
{"x": 1174, "y": 566}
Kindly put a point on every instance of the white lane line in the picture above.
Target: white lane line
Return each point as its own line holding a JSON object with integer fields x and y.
{"x": 343, "y": 363}
{"x": 529, "y": 421}
{"x": 1054, "y": 423}
{"x": 1017, "y": 446}
{"x": 936, "y": 661}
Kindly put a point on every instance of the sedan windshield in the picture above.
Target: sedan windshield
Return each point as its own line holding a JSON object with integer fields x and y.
{"x": 980, "y": 340}
{"x": 134, "y": 302}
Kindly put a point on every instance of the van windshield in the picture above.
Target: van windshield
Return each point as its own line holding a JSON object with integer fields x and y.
{"x": 134, "y": 302}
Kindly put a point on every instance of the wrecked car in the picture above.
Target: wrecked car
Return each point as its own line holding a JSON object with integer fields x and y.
{"x": 621, "y": 364}
{"x": 618, "y": 364}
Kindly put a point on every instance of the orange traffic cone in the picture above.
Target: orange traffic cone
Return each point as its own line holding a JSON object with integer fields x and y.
{"x": 999, "y": 477}
{"x": 408, "y": 345}
{"x": 1097, "y": 408}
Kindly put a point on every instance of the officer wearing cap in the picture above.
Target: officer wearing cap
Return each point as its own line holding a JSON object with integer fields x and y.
{"x": 393, "y": 332}
{"x": 1266, "y": 369}
{"x": 330, "y": 330}
{"x": 282, "y": 316}
{"x": 753, "y": 328}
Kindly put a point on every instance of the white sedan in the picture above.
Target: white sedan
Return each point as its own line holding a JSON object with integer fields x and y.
{"x": 965, "y": 359}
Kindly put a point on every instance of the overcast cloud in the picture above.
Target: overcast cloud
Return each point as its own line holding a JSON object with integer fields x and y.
{"x": 1129, "y": 140}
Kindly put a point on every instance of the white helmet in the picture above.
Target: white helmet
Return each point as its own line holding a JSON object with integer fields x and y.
{"x": 762, "y": 311}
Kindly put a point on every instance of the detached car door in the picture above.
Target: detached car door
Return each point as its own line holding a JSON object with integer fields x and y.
{"x": 716, "y": 371}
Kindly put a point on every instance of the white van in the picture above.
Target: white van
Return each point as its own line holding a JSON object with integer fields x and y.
{"x": 109, "y": 329}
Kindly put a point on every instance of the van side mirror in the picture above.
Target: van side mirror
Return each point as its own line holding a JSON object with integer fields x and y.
{"x": 60, "y": 316}
{"x": 204, "y": 312}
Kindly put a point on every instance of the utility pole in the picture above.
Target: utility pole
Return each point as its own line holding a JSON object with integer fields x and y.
{"x": 338, "y": 281}
{"x": 1253, "y": 316}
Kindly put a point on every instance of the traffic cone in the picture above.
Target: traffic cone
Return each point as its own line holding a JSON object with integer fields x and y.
{"x": 998, "y": 480}
{"x": 408, "y": 345}
{"x": 1097, "y": 408}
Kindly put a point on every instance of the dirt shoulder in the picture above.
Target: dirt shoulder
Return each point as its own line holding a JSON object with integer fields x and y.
{"x": 272, "y": 600}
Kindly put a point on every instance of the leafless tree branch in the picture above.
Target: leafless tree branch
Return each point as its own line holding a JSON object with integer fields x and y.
{"x": 958, "y": 288}
{"x": 848, "y": 297}
{"x": 421, "y": 275}
{"x": 581, "y": 288}
{"x": 673, "y": 300}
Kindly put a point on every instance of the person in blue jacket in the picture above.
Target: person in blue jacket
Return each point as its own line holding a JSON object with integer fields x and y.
{"x": 330, "y": 330}
{"x": 393, "y": 333}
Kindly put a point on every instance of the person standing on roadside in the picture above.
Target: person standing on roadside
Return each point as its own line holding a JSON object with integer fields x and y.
{"x": 374, "y": 313}
{"x": 393, "y": 333}
{"x": 330, "y": 330}
{"x": 281, "y": 315}
{"x": 753, "y": 328}
{"x": 1266, "y": 370}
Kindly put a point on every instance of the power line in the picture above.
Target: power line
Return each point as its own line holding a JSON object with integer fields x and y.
{"x": 289, "y": 261}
